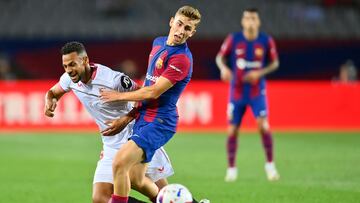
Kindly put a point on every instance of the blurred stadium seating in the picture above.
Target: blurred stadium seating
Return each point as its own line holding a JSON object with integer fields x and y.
{"x": 137, "y": 19}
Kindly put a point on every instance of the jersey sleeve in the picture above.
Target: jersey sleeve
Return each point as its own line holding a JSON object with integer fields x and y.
{"x": 124, "y": 83}
{"x": 177, "y": 68}
{"x": 272, "y": 53}
{"x": 226, "y": 46}
{"x": 65, "y": 82}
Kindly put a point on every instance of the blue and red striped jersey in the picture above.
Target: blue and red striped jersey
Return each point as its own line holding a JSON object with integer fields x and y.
{"x": 243, "y": 56}
{"x": 174, "y": 63}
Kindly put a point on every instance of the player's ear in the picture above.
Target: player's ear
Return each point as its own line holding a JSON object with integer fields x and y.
{"x": 171, "y": 21}
{"x": 192, "y": 33}
{"x": 85, "y": 60}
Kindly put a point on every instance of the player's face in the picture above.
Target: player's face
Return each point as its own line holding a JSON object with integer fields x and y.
{"x": 74, "y": 65}
{"x": 250, "y": 21}
{"x": 181, "y": 28}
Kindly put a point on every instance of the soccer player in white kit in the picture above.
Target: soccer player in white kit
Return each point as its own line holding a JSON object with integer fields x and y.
{"x": 85, "y": 80}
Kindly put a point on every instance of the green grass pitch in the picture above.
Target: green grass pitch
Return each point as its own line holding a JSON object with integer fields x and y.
{"x": 314, "y": 167}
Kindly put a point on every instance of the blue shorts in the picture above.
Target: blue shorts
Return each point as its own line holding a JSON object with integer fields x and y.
{"x": 236, "y": 109}
{"x": 150, "y": 136}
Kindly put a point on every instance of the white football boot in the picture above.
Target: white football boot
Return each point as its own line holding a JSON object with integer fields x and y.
{"x": 204, "y": 201}
{"x": 231, "y": 174}
{"x": 271, "y": 172}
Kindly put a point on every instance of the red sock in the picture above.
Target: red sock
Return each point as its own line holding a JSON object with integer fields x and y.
{"x": 231, "y": 147}
{"x": 268, "y": 145}
{"x": 118, "y": 199}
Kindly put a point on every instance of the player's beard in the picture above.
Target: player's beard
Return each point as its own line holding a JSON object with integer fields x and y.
{"x": 76, "y": 78}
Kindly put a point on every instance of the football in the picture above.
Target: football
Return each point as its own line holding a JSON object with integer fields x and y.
{"x": 174, "y": 193}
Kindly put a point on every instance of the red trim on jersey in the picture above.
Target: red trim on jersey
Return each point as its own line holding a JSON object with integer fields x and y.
{"x": 59, "y": 86}
{"x": 226, "y": 46}
{"x": 240, "y": 53}
{"x": 259, "y": 55}
{"x": 177, "y": 68}
{"x": 94, "y": 70}
{"x": 151, "y": 110}
{"x": 272, "y": 52}
{"x": 159, "y": 65}
{"x": 153, "y": 52}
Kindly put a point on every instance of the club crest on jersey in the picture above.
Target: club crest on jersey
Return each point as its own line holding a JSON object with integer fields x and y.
{"x": 259, "y": 52}
{"x": 159, "y": 63}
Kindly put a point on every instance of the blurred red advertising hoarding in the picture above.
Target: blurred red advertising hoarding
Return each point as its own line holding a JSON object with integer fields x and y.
{"x": 296, "y": 105}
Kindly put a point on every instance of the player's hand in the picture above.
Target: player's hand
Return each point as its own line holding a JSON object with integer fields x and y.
{"x": 252, "y": 77}
{"x": 109, "y": 95}
{"x": 226, "y": 74}
{"x": 50, "y": 106}
{"x": 116, "y": 126}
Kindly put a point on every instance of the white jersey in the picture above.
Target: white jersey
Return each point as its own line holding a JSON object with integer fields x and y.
{"x": 89, "y": 96}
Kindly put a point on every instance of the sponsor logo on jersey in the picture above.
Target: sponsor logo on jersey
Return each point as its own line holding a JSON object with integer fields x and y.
{"x": 151, "y": 77}
{"x": 161, "y": 169}
{"x": 259, "y": 52}
{"x": 239, "y": 51}
{"x": 242, "y": 64}
{"x": 159, "y": 63}
{"x": 125, "y": 82}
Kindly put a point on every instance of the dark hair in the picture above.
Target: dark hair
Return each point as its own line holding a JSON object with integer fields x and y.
{"x": 73, "y": 47}
{"x": 252, "y": 10}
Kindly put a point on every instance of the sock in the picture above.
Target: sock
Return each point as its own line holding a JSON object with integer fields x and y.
{"x": 231, "y": 149}
{"x": 118, "y": 199}
{"x": 268, "y": 145}
{"x": 134, "y": 200}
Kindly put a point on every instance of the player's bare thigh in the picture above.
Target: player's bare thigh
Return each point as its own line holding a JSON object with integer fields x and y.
{"x": 102, "y": 192}
{"x": 128, "y": 155}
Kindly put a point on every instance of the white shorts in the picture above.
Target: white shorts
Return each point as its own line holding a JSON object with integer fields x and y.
{"x": 158, "y": 168}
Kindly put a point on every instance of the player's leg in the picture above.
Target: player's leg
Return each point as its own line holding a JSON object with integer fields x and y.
{"x": 102, "y": 192}
{"x": 235, "y": 114}
{"x": 142, "y": 183}
{"x": 126, "y": 158}
{"x": 259, "y": 108}
{"x": 102, "y": 183}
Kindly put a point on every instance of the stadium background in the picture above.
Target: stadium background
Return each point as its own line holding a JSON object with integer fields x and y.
{"x": 313, "y": 112}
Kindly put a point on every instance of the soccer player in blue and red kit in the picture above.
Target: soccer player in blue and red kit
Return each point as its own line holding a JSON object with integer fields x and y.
{"x": 245, "y": 58}
{"x": 169, "y": 71}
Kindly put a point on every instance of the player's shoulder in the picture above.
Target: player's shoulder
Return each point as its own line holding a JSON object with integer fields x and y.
{"x": 159, "y": 40}
{"x": 265, "y": 36}
{"x": 104, "y": 73}
{"x": 237, "y": 35}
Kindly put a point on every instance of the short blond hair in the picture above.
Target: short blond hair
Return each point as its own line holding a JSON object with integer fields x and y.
{"x": 190, "y": 12}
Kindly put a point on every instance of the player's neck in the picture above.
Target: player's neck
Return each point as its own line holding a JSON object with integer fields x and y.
{"x": 88, "y": 73}
{"x": 251, "y": 35}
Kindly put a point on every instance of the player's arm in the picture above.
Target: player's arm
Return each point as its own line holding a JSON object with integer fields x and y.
{"x": 221, "y": 59}
{"x": 272, "y": 55}
{"x": 51, "y": 98}
{"x": 149, "y": 92}
{"x": 117, "y": 125}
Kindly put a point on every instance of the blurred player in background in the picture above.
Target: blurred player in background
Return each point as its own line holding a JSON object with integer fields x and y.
{"x": 245, "y": 58}
{"x": 169, "y": 71}
{"x": 85, "y": 79}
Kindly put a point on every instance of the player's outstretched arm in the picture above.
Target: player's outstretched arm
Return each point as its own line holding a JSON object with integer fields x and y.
{"x": 149, "y": 92}
{"x": 51, "y": 98}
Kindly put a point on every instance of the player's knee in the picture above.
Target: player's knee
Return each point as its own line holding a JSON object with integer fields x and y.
{"x": 100, "y": 198}
{"x": 263, "y": 125}
{"x": 233, "y": 130}
{"x": 137, "y": 182}
{"x": 119, "y": 166}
